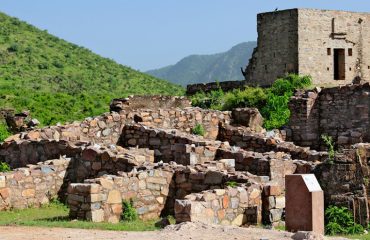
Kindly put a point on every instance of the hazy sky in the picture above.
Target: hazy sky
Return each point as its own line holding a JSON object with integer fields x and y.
{"x": 147, "y": 34}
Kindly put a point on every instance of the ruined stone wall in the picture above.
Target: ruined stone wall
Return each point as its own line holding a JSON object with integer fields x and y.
{"x": 258, "y": 142}
{"x": 106, "y": 128}
{"x": 35, "y": 185}
{"x": 277, "y": 47}
{"x": 340, "y": 112}
{"x": 100, "y": 199}
{"x": 148, "y": 102}
{"x": 273, "y": 204}
{"x": 191, "y": 89}
{"x": 235, "y": 206}
{"x": 320, "y": 30}
{"x": 345, "y": 181}
{"x": 170, "y": 145}
{"x": 20, "y": 153}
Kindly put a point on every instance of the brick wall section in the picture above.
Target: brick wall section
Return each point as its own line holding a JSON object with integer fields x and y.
{"x": 340, "y": 112}
{"x": 230, "y": 206}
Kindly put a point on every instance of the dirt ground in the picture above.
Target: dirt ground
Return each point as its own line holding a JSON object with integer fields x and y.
{"x": 193, "y": 231}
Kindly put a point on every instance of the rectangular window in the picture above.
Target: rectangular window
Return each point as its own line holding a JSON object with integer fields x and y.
{"x": 349, "y": 51}
{"x": 328, "y": 51}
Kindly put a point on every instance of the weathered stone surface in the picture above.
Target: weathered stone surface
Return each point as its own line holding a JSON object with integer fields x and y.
{"x": 114, "y": 196}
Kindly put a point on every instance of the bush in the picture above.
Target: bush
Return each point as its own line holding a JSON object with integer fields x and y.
{"x": 4, "y": 167}
{"x": 129, "y": 212}
{"x": 271, "y": 102}
{"x": 4, "y": 132}
{"x": 339, "y": 220}
{"x": 198, "y": 129}
{"x": 249, "y": 97}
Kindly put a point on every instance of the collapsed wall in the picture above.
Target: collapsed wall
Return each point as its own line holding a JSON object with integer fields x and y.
{"x": 339, "y": 112}
{"x": 153, "y": 161}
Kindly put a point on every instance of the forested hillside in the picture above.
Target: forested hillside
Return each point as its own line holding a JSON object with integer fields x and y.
{"x": 208, "y": 68}
{"x": 59, "y": 81}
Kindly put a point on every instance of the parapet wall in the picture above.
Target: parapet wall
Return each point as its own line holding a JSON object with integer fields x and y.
{"x": 340, "y": 112}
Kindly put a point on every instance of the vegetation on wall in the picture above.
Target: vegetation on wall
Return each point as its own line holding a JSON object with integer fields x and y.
{"x": 339, "y": 220}
{"x": 272, "y": 102}
{"x": 198, "y": 129}
{"x": 328, "y": 141}
{"x": 59, "y": 81}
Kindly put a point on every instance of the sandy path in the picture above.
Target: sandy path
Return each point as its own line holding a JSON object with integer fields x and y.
{"x": 178, "y": 232}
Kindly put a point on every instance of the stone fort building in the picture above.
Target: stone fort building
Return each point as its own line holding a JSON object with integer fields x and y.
{"x": 331, "y": 46}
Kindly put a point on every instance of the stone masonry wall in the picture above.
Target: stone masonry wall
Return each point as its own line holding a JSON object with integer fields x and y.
{"x": 35, "y": 185}
{"x": 106, "y": 128}
{"x": 277, "y": 47}
{"x": 170, "y": 145}
{"x": 257, "y": 142}
{"x": 235, "y": 206}
{"x": 346, "y": 181}
{"x": 148, "y": 102}
{"x": 101, "y": 199}
{"x": 320, "y": 30}
{"x": 340, "y": 112}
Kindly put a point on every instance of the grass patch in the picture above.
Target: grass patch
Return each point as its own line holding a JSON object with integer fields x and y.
{"x": 56, "y": 215}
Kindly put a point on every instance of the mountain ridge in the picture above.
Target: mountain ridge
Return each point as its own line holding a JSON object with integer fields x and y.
{"x": 204, "y": 68}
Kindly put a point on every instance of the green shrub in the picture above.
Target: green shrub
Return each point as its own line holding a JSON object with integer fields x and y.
{"x": 328, "y": 140}
{"x": 4, "y": 167}
{"x": 339, "y": 220}
{"x": 249, "y": 97}
{"x": 231, "y": 184}
{"x": 271, "y": 102}
{"x": 198, "y": 129}
{"x": 128, "y": 211}
{"x": 4, "y": 132}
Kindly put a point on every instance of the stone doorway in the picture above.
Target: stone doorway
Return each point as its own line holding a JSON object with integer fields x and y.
{"x": 339, "y": 64}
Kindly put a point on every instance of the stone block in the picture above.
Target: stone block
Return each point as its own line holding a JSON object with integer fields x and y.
{"x": 276, "y": 215}
{"x": 2, "y": 182}
{"x": 213, "y": 178}
{"x": 280, "y": 202}
{"x": 239, "y": 220}
{"x": 114, "y": 196}
{"x": 28, "y": 193}
{"x": 96, "y": 215}
{"x": 272, "y": 190}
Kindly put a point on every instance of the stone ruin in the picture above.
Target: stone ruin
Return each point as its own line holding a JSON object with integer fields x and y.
{"x": 232, "y": 175}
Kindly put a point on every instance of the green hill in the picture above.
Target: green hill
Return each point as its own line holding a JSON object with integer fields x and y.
{"x": 208, "y": 68}
{"x": 60, "y": 81}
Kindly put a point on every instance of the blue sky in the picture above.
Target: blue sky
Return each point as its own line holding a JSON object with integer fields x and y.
{"x": 147, "y": 34}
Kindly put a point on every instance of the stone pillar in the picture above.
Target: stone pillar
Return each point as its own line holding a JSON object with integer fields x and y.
{"x": 304, "y": 209}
